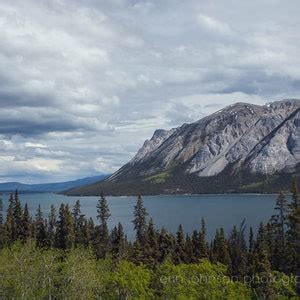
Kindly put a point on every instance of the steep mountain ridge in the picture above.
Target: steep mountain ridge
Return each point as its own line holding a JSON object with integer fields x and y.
{"x": 240, "y": 139}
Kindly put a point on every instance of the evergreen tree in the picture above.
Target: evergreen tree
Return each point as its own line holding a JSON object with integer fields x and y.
{"x": 188, "y": 250}
{"x": 165, "y": 245}
{"x": 251, "y": 240}
{"x": 10, "y": 228}
{"x": 140, "y": 215}
{"x": 294, "y": 234}
{"x": 51, "y": 227}
{"x": 2, "y": 230}
{"x": 262, "y": 266}
{"x": 1, "y": 210}
{"x": 196, "y": 246}
{"x": 277, "y": 234}
{"x": 118, "y": 242}
{"x": 18, "y": 216}
{"x": 40, "y": 229}
{"x": 238, "y": 252}
{"x": 91, "y": 228}
{"x": 151, "y": 248}
{"x": 102, "y": 238}
{"x": 199, "y": 245}
{"x": 26, "y": 224}
{"x": 179, "y": 255}
{"x": 203, "y": 227}
{"x": 64, "y": 236}
{"x": 220, "y": 250}
{"x": 88, "y": 231}
{"x": 78, "y": 223}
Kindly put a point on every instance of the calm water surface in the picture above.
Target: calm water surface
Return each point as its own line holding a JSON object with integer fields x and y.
{"x": 170, "y": 211}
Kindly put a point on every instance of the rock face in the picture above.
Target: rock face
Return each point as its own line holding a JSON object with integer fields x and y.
{"x": 241, "y": 148}
{"x": 260, "y": 139}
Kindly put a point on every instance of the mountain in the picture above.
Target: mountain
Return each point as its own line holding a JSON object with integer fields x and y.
{"x": 241, "y": 148}
{"x": 49, "y": 187}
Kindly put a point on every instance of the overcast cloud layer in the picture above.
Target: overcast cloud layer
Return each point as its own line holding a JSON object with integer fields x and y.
{"x": 84, "y": 83}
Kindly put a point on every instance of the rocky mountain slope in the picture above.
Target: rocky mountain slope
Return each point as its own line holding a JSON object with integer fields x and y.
{"x": 243, "y": 147}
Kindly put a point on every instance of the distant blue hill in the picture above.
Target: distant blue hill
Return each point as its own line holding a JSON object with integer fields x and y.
{"x": 49, "y": 187}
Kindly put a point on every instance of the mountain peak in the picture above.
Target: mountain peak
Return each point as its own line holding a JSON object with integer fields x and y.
{"x": 243, "y": 138}
{"x": 207, "y": 146}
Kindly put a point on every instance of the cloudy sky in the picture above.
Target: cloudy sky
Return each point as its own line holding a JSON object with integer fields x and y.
{"x": 84, "y": 83}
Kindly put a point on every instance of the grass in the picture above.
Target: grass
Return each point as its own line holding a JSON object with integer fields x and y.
{"x": 159, "y": 178}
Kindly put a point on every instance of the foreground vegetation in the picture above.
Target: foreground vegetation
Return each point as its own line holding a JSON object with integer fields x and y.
{"x": 66, "y": 255}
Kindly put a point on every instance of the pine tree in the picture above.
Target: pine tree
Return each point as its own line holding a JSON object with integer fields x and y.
{"x": 1, "y": 211}
{"x": 118, "y": 242}
{"x": 179, "y": 255}
{"x": 151, "y": 248}
{"x": 203, "y": 227}
{"x": 2, "y": 232}
{"x": 64, "y": 235}
{"x": 165, "y": 245}
{"x": 294, "y": 234}
{"x": 18, "y": 216}
{"x": 40, "y": 229}
{"x": 188, "y": 250}
{"x": 251, "y": 240}
{"x": 102, "y": 238}
{"x": 199, "y": 245}
{"x": 78, "y": 223}
{"x": 277, "y": 234}
{"x": 26, "y": 224}
{"x": 220, "y": 248}
{"x": 262, "y": 266}
{"x": 10, "y": 227}
{"x": 238, "y": 252}
{"x": 88, "y": 232}
{"x": 140, "y": 215}
{"x": 51, "y": 227}
{"x": 196, "y": 246}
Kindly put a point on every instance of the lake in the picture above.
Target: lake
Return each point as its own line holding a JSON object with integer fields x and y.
{"x": 170, "y": 211}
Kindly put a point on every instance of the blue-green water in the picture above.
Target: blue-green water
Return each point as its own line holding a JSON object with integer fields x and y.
{"x": 170, "y": 211}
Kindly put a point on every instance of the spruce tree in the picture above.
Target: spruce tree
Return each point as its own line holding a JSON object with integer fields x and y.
{"x": 1, "y": 211}
{"x": 102, "y": 238}
{"x": 278, "y": 234}
{"x": 238, "y": 252}
{"x": 262, "y": 266}
{"x": 78, "y": 223}
{"x": 40, "y": 229}
{"x": 118, "y": 243}
{"x": 26, "y": 224}
{"x": 179, "y": 254}
{"x": 51, "y": 227}
{"x": 196, "y": 246}
{"x": 64, "y": 236}
{"x": 151, "y": 248}
{"x": 165, "y": 244}
{"x": 10, "y": 227}
{"x": 220, "y": 248}
{"x": 2, "y": 232}
{"x": 140, "y": 216}
{"x": 18, "y": 216}
{"x": 199, "y": 245}
{"x": 251, "y": 240}
{"x": 188, "y": 251}
{"x": 294, "y": 234}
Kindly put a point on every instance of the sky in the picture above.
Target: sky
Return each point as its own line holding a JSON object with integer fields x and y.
{"x": 84, "y": 83}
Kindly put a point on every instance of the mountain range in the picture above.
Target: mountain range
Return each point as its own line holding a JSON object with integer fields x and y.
{"x": 241, "y": 148}
{"x": 49, "y": 187}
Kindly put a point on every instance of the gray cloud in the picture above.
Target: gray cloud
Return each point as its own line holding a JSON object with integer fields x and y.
{"x": 84, "y": 83}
